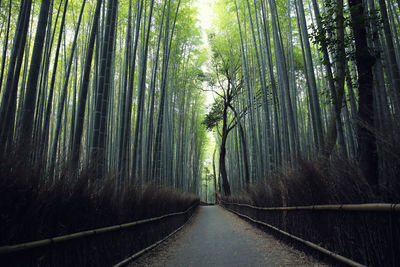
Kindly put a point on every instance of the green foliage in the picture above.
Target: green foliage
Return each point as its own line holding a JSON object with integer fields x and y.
{"x": 212, "y": 118}
{"x": 326, "y": 35}
{"x": 298, "y": 59}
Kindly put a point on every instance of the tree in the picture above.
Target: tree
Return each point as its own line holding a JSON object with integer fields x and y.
{"x": 103, "y": 91}
{"x": 8, "y": 103}
{"x": 83, "y": 92}
{"x": 229, "y": 84}
{"x": 367, "y": 149}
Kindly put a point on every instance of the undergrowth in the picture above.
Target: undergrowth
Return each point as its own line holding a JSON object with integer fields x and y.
{"x": 367, "y": 237}
{"x": 33, "y": 208}
{"x": 313, "y": 183}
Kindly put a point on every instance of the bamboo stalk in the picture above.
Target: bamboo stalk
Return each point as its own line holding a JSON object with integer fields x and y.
{"x": 59, "y": 239}
{"x": 386, "y": 207}
{"x": 308, "y": 243}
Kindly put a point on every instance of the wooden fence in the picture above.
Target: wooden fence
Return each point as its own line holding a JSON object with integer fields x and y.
{"x": 332, "y": 219}
{"x": 12, "y": 253}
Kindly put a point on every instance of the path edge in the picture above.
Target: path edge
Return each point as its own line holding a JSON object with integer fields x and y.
{"x": 147, "y": 249}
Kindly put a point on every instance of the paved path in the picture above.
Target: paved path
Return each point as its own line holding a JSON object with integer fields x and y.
{"x": 216, "y": 237}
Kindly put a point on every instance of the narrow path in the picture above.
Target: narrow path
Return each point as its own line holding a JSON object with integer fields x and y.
{"x": 215, "y": 237}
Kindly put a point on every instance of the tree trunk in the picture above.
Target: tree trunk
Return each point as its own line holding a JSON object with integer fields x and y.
{"x": 367, "y": 149}
{"x": 84, "y": 87}
{"x": 64, "y": 90}
{"x": 244, "y": 148}
{"x": 222, "y": 154}
{"x": 28, "y": 111}
{"x": 393, "y": 64}
{"x": 314, "y": 101}
{"x": 8, "y": 101}
{"x": 215, "y": 176}
{"x": 3, "y": 62}
{"x": 103, "y": 91}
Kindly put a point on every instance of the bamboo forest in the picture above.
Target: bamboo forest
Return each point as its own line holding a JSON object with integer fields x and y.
{"x": 122, "y": 119}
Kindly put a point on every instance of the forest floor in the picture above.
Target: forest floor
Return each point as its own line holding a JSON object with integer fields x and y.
{"x": 216, "y": 237}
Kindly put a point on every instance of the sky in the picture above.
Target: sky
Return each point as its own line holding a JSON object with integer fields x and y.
{"x": 205, "y": 16}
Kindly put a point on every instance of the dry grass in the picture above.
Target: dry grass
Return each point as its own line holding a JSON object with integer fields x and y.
{"x": 32, "y": 209}
{"x": 367, "y": 237}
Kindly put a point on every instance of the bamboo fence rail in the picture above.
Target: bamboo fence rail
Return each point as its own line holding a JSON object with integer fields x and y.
{"x": 44, "y": 242}
{"x": 140, "y": 253}
{"x": 367, "y": 207}
{"x": 308, "y": 243}
{"x": 339, "y": 207}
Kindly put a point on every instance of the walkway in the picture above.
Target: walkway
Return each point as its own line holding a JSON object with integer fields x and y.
{"x": 216, "y": 237}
